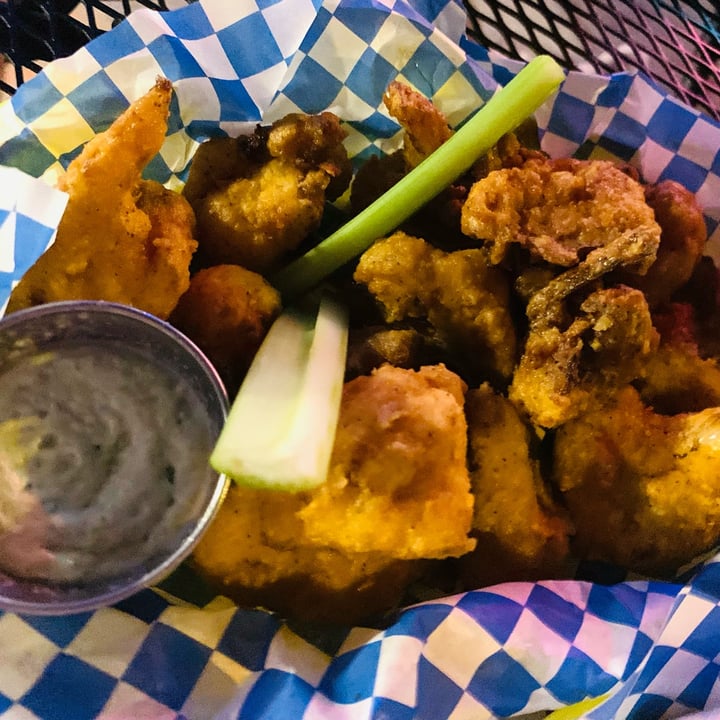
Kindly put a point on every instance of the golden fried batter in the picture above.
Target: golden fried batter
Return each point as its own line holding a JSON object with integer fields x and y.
{"x": 573, "y": 356}
{"x": 120, "y": 239}
{"x": 398, "y": 482}
{"x": 398, "y": 491}
{"x": 465, "y": 301}
{"x": 255, "y": 552}
{"x": 521, "y": 533}
{"x": 426, "y": 128}
{"x": 676, "y": 379}
{"x": 558, "y": 210}
{"x": 226, "y": 311}
{"x": 564, "y": 372}
{"x": 642, "y": 488}
{"x": 258, "y": 197}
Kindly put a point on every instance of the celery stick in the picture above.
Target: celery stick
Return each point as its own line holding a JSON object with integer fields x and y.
{"x": 507, "y": 109}
{"x": 281, "y": 427}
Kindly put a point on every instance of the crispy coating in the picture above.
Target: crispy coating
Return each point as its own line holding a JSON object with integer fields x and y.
{"x": 226, "y": 311}
{"x": 682, "y": 241}
{"x": 578, "y": 350}
{"x": 425, "y": 130}
{"x": 558, "y": 210}
{"x": 513, "y": 149}
{"x": 258, "y": 197}
{"x": 521, "y": 532}
{"x": 641, "y": 487}
{"x": 426, "y": 127}
{"x": 256, "y": 553}
{"x": 398, "y": 481}
{"x": 398, "y": 491}
{"x": 564, "y": 372}
{"x": 675, "y": 379}
{"x": 465, "y": 300}
{"x": 120, "y": 239}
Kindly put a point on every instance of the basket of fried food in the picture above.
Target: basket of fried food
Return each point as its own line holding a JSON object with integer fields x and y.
{"x": 531, "y": 378}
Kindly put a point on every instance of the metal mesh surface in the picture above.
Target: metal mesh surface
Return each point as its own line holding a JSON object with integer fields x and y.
{"x": 34, "y": 32}
{"x": 677, "y": 42}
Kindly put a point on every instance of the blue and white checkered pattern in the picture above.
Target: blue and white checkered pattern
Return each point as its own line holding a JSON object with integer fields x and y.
{"x": 648, "y": 648}
{"x": 515, "y": 648}
{"x": 29, "y": 215}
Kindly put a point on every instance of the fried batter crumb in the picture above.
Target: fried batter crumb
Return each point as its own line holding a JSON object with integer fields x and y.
{"x": 557, "y": 209}
{"x": 226, "y": 311}
{"x": 398, "y": 481}
{"x": 641, "y": 487}
{"x": 257, "y": 198}
{"x": 522, "y": 533}
{"x": 397, "y": 493}
{"x": 465, "y": 300}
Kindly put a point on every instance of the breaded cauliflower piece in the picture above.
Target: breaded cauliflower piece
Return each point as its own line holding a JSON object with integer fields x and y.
{"x": 255, "y": 552}
{"x": 565, "y": 372}
{"x": 466, "y": 301}
{"x": 397, "y": 493}
{"x": 398, "y": 482}
{"x": 583, "y": 342}
{"x": 120, "y": 239}
{"x": 227, "y": 311}
{"x": 521, "y": 532}
{"x": 258, "y": 197}
{"x": 675, "y": 379}
{"x": 558, "y": 210}
{"x": 642, "y": 488}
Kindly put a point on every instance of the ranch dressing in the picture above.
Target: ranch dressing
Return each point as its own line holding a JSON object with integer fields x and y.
{"x": 100, "y": 452}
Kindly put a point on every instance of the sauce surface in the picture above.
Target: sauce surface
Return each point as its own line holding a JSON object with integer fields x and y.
{"x": 103, "y": 463}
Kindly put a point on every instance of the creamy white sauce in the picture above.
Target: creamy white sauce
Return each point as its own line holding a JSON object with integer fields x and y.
{"x": 114, "y": 457}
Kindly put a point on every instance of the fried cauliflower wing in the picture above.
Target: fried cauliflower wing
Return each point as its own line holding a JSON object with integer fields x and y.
{"x": 398, "y": 481}
{"x": 564, "y": 372}
{"x": 558, "y": 210}
{"x": 227, "y": 311}
{"x": 675, "y": 379}
{"x": 425, "y": 129}
{"x": 576, "y": 349}
{"x": 465, "y": 300}
{"x": 258, "y": 197}
{"x": 521, "y": 532}
{"x": 121, "y": 238}
{"x": 642, "y": 488}
{"x": 255, "y": 552}
{"x": 397, "y": 492}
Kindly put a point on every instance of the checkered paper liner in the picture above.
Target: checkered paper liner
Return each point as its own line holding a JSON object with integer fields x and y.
{"x": 649, "y": 649}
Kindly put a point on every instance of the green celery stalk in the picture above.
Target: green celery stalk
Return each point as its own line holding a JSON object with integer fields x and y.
{"x": 281, "y": 427}
{"x": 504, "y": 112}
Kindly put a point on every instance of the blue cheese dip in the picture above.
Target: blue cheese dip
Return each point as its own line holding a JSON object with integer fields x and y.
{"x": 103, "y": 457}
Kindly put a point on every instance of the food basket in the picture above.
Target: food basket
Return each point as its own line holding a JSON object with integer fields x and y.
{"x": 599, "y": 646}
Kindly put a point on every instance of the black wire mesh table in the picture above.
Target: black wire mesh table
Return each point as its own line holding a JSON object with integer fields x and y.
{"x": 676, "y": 42}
